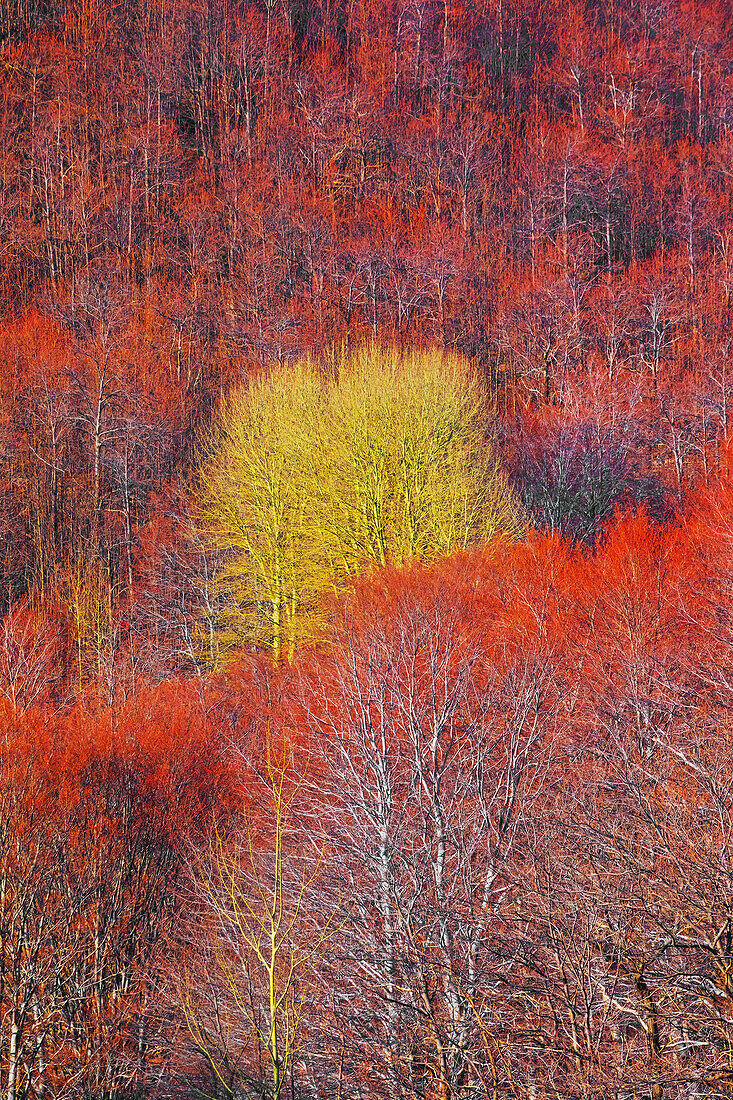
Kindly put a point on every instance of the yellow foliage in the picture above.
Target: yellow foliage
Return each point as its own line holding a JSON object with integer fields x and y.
{"x": 256, "y": 491}
{"x": 319, "y": 475}
{"x": 407, "y": 470}
{"x": 82, "y": 588}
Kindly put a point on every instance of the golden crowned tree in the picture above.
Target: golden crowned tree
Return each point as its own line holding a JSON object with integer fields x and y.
{"x": 256, "y": 488}
{"x": 319, "y": 474}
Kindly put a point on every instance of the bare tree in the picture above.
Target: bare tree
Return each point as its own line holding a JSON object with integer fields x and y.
{"x": 432, "y": 750}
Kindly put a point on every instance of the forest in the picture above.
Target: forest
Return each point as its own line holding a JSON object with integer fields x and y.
{"x": 366, "y": 550}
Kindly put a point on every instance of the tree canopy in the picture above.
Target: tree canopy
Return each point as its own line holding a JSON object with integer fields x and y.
{"x": 321, "y": 472}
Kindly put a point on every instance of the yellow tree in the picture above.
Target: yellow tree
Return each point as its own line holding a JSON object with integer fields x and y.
{"x": 83, "y": 589}
{"x": 321, "y": 474}
{"x": 255, "y": 490}
{"x": 406, "y": 469}
{"x": 245, "y": 989}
